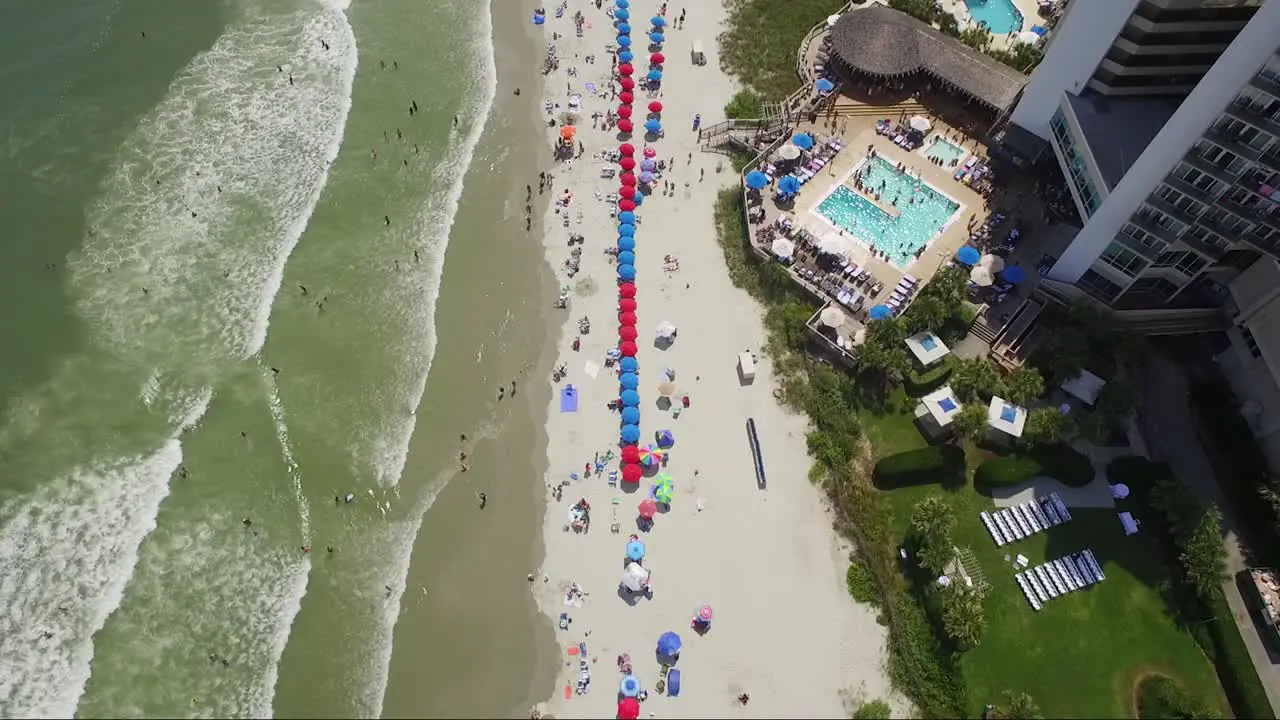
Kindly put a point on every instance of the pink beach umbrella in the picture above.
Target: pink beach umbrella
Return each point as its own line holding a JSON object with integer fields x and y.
{"x": 704, "y": 613}
{"x": 650, "y": 152}
{"x": 648, "y": 509}
{"x": 632, "y": 472}
{"x": 624, "y": 111}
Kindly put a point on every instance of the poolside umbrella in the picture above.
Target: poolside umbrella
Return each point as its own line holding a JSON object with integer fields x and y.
{"x": 658, "y": 20}
{"x": 629, "y": 687}
{"x": 648, "y": 509}
{"x": 631, "y": 472}
{"x": 626, "y": 204}
{"x": 666, "y": 388}
{"x": 649, "y": 164}
{"x": 789, "y": 152}
{"x": 630, "y": 454}
{"x": 626, "y": 242}
{"x": 665, "y": 438}
{"x": 656, "y": 38}
{"x": 653, "y": 126}
{"x": 625, "y": 69}
{"x": 626, "y": 290}
{"x": 666, "y": 329}
{"x": 655, "y": 106}
{"x": 626, "y": 83}
{"x": 631, "y": 415}
{"x": 968, "y": 255}
{"x": 628, "y": 381}
{"x": 625, "y": 97}
{"x": 804, "y": 141}
{"x": 630, "y": 434}
{"x": 624, "y": 111}
{"x": 824, "y": 85}
{"x": 704, "y": 614}
{"x": 654, "y": 75}
{"x": 783, "y": 248}
{"x": 624, "y": 125}
{"x": 627, "y": 305}
{"x": 789, "y": 184}
{"x": 628, "y": 709}
{"x": 832, "y": 317}
{"x": 624, "y": 28}
{"x": 626, "y": 257}
{"x": 669, "y": 644}
{"x": 628, "y": 348}
{"x": 625, "y": 56}
{"x": 631, "y": 398}
{"x": 635, "y": 550}
{"x": 628, "y": 364}
{"x": 981, "y": 276}
{"x": 626, "y": 149}
{"x": 919, "y": 123}
{"x": 657, "y": 59}
{"x": 627, "y": 272}
{"x": 1013, "y": 274}
{"x": 879, "y": 312}
{"x": 627, "y": 319}
{"x": 757, "y": 180}
{"x": 646, "y": 178}
{"x": 626, "y": 229}
{"x": 994, "y": 263}
{"x": 624, "y": 40}
{"x": 650, "y": 152}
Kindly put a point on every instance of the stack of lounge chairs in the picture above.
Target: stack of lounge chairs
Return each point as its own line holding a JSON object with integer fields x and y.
{"x": 1021, "y": 521}
{"x": 1058, "y": 577}
{"x": 901, "y": 294}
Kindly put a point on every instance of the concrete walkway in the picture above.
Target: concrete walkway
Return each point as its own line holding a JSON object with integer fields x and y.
{"x": 1171, "y": 436}
{"x": 1094, "y": 495}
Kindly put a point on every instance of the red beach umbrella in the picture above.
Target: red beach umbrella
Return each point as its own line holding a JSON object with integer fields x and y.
{"x": 627, "y": 319}
{"x": 626, "y": 98}
{"x": 630, "y": 454}
{"x": 631, "y": 472}
{"x": 627, "y": 163}
{"x": 628, "y": 180}
{"x": 626, "y": 205}
{"x": 625, "y": 69}
{"x": 655, "y": 106}
{"x": 627, "y": 304}
{"x": 657, "y": 58}
{"x": 627, "y": 332}
{"x": 628, "y": 348}
{"x": 627, "y": 290}
{"x": 625, "y": 126}
{"x": 626, "y": 149}
{"x": 624, "y": 111}
{"x": 648, "y": 508}
{"x": 626, "y": 83}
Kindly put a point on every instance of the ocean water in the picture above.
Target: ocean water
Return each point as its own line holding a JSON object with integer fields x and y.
{"x": 225, "y": 239}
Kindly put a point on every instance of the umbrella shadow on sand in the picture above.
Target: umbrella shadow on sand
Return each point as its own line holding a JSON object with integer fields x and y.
{"x": 663, "y": 343}
{"x": 652, "y": 136}
{"x": 623, "y": 136}
{"x": 663, "y": 402}
{"x": 632, "y": 598}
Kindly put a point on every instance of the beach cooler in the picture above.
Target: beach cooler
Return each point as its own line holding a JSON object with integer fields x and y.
{"x": 697, "y": 54}
{"x": 746, "y": 367}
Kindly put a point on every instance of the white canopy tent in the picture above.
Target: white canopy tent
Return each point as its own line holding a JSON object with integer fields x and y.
{"x": 1086, "y": 386}
{"x": 942, "y": 405}
{"x": 635, "y": 578}
{"x": 783, "y": 248}
{"x": 789, "y": 152}
{"x": 927, "y": 347}
{"x": 666, "y": 330}
{"x": 833, "y": 244}
{"x": 832, "y": 316}
{"x": 1006, "y": 417}
{"x": 919, "y": 122}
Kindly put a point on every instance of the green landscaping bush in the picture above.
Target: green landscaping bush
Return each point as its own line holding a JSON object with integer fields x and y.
{"x": 1059, "y": 462}
{"x": 1162, "y": 698}
{"x": 935, "y": 465}
{"x": 922, "y": 382}
{"x": 861, "y": 584}
{"x": 1236, "y": 671}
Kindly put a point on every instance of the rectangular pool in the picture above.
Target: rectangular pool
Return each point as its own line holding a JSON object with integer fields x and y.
{"x": 945, "y": 151}
{"x": 1000, "y": 16}
{"x": 923, "y": 212}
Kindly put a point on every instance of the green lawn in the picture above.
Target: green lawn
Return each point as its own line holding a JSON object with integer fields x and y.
{"x": 1080, "y": 655}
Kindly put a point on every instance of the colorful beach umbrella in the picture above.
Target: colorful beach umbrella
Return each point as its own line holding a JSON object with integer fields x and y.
{"x": 654, "y": 75}
{"x": 628, "y": 348}
{"x": 638, "y": 198}
{"x": 650, "y": 152}
{"x": 625, "y": 69}
{"x": 626, "y": 83}
{"x": 669, "y": 644}
{"x": 627, "y": 305}
{"x": 631, "y": 398}
{"x": 627, "y": 272}
{"x": 628, "y": 381}
{"x": 622, "y": 13}
{"x": 646, "y": 178}
{"x": 625, "y": 230}
{"x": 626, "y": 242}
{"x": 626, "y": 149}
{"x": 626, "y": 205}
{"x": 627, "y": 218}
{"x": 653, "y": 126}
{"x": 631, "y": 416}
{"x": 622, "y": 4}
{"x": 655, "y": 106}
{"x": 627, "y": 163}
{"x": 665, "y": 438}
{"x": 651, "y": 456}
{"x": 626, "y": 98}
{"x": 635, "y": 552}
{"x": 663, "y": 494}
{"x": 631, "y": 472}
{"x": 624, "y": 40}
{"x": 648, "y": 508}
{"x": 648, "y": 165}
{"x": 757, "y": 180}
{"x": 704, "y": 613}
{"x": 626, "y": 290}
{"x": 624, "y": 28}
{"x": 629, "y": 364}
{"x": 657, "y": 58}
{"x": 627, "y": 319}
{"x": 630, "y": 454}
{"x": 624, "y": 111}
{"x": 626, "y": 257}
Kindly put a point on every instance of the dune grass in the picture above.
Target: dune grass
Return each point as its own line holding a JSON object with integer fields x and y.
{"x": 759, "y": 48}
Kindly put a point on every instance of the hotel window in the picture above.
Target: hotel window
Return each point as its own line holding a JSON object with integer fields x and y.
{"x": 1234, "y": 129}
{"x": 1271, "y": 71}
{"x": 1155, "y": 217}
{"x": 1128, "y": 262}
{"x": 1143, "y": 238}
{"x": 1155, "y": 286}
{"x": 1250, "y": 343}
{"x": 1098, "y": 286}
{"x": 1257, "y": 102}
{"x": 1201, "y": 181}
{"x": 1077, "y": 170}
{"x": 1179, "y": 201}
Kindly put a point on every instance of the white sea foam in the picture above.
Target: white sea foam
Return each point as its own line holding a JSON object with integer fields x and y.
{"x": 286, "y": 451}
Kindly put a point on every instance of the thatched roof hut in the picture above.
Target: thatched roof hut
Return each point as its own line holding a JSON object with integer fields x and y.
{"x": 884, "y": 43}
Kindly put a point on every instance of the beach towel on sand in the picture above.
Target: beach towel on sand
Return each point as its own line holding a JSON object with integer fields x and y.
{"x": 569, "y": 399}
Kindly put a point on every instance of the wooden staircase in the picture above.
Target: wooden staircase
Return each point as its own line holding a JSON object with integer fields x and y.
{"x": 851, "y": 109}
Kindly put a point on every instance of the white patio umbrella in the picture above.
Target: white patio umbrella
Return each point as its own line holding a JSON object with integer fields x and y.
{"x": 666, "y": 329}
{"x": 994, "y": 263}
{"x": 783, "y": 248}
{"x": 919, "y": 122}
{"x": 832, "y": 317}
{"x": 833, "y": 245}
{"x": 635, "y": 577}
{"x": 789, "y": 152}
{"x": 1027, "y": 37}
{"x": 982, "y": 276}
{"x": 833, "y": 19}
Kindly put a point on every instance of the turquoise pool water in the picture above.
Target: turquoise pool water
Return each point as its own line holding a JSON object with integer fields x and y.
{"x": 1000, "y": 16}
{"x": 900, "y": 237}
{"x": 945, "y": 150}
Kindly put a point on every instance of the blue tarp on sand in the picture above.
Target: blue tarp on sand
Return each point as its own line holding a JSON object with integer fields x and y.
{"x": 569, "y": 399}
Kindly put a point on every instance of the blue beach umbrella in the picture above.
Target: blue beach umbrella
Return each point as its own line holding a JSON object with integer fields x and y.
{"x": 630, "y": 686}
{"x": 631, "y": 416}
{"x": 624, "y": 29}
{"x": 629, "y": 433}
{"x": 658, "y": 20}
{"x": 879, "y": 312}
{"x": 665, "y": 438}
{"x": 627, "y": 272}
{"x": 804, "y": 141}
{"x": 652, "y": 126}
{"x": 789, "y": 184}
{"x": 656, "y": 38}
{"x": 638, "y": 198}
{"x": 968, "y": 255}
{"x": 654, "y": 75}
{"x": 635, "y": 550}
{"x": 622, "y": 3}
{"x": 626, "y": 242}
{"x": 625, "y": 56}
{"x": 757, "y": 180}
{"x": 624, "y": 40}
{"x": 626, "y": 257}
{"x": 629, "y": 381}
{"x": 669, "y": 644}
{"x": 1013, "y": 274}
{"x": 630, "y": 398}
{"x": 629, "y": 365}
{"x": 824, "y": 85}
{"x": 622, "y": 14}
{"x": 626, "y": 230}
{"x": 627, "y": 217}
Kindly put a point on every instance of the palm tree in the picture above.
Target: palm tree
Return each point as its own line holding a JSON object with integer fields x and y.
{"x": 977, "y": 378}
{"x": 1024, "y": 385}
{"x": 1016, "y": 706}
{"x": 926, "y": 313}
{"x": 971, "y": 423}
{"x": 1045, "y": 426}
{"x": 1117, "y": 402}
{"x": 963, "y": 617}
{"x": 1065, "y": 353}
{"x": 932, "y": 516}
{"x": 1204, "y": 557}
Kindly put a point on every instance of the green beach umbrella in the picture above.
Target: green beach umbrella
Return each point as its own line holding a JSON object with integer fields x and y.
{"x": 664, "y": 491}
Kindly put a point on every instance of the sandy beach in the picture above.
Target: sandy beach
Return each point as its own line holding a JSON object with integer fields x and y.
{"x": 785, "y": 630}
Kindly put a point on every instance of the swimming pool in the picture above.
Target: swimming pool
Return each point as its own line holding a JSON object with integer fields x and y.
{"x": 939, "y": 148}
{"x": 1000, "y": 16}
{"x": 899, "y": 237}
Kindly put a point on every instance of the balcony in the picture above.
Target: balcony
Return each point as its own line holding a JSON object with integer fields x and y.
{"x": 1256, "y": 119}
{"x": 1270, "y": 161}
{"x": 1192, "y": 191}
{"x": 1155, "y": 202}
{"x": 1270, "y": 87}
{"x": 1214, "y": 253}
{"x": 1231, "y": 143}
{"x": 1144, "y": 251}
{"x": 1145, "y": 223}
{"x": 1213, "y": 170}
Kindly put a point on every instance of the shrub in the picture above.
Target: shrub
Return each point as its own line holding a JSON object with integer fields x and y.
{"x": 1162, "y": 698}
{"x": 963, "y": 616}
{"x": 745, "y": 105}
{"x": 1059, "y": 462}
{"x": 939, "y": 464}
{"x": 1236, "y": 671}
{"x": 922, "y": 382}
{"x": 873, "y": 710}
{"x": 860, "y": 583}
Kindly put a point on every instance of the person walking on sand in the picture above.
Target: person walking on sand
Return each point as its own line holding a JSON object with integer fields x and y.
{"x": 484, "y": 499}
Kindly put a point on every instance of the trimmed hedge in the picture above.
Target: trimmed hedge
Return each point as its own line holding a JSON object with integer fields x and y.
{"x": 934, "y": 465}
{"x": 921, "y": 383}
{"x": 1162, "y": 698}
{"x": 1059, "y": 462}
